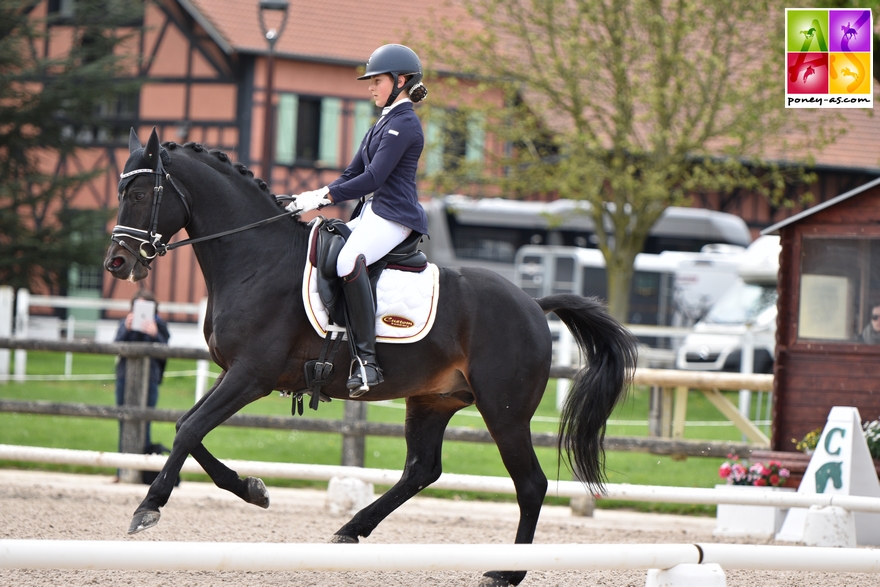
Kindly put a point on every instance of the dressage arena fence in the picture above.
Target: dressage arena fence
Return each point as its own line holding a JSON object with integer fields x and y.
{"x": 450, "y": 481}
{"x": 355, "y": 427}
{"x": 238, "y": 556}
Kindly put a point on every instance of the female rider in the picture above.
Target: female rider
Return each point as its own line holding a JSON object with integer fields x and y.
{"x": 383, "y": 175}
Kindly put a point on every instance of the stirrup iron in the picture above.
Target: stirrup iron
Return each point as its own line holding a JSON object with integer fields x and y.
{"x": 359, "y": 365}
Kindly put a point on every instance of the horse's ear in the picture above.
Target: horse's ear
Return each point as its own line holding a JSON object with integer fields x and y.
{"x": 151, "y": 152}
{"x": 134, "y": 143}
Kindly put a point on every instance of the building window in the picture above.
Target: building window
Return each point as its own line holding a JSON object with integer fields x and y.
{"x": 453, "y": 138}
{"x": 87, "y": 229}
{"x": 61, "y": 8}
{"x": 116, "y": 116}
{"x": 124, "y": 12}
{"x": 840, "y": 286}
{"x": 309, "y": 130}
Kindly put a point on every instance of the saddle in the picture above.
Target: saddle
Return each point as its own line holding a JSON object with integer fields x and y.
{"x": 412, "y": 279}
{"x": 330, "y": 237}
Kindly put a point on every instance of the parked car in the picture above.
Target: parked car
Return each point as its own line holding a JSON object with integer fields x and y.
{"x": 749, "y": 305}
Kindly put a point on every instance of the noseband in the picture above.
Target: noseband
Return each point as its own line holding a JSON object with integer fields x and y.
{"x": 150, "y": 241}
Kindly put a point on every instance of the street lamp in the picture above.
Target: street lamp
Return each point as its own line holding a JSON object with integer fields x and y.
{"x": 272, "y": 35}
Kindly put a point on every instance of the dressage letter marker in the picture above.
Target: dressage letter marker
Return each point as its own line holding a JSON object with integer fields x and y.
{"x": 841, "y": 465}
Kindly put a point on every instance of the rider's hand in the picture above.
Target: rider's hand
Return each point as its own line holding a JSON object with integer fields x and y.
{"x": 307, "y": 201}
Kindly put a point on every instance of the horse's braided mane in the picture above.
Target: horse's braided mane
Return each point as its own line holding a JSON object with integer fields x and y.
{"x": 220, "y": 161}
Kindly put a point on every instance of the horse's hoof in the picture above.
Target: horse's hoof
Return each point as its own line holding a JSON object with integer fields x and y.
{"x": 143, "y": 520}
{"x": 341, "y": 539}
{"x": 487, "y": 581}
{"x": 257, "y": 493}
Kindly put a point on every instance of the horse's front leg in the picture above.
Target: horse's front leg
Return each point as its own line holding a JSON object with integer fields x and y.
{"x": 250, "y": 489}
{"x": 227, "y": 397}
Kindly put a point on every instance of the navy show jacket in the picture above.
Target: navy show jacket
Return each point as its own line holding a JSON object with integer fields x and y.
{"x": 388, "y": 171}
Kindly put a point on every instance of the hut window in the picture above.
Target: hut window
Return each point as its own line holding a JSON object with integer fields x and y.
{"x": 839, "y": 286}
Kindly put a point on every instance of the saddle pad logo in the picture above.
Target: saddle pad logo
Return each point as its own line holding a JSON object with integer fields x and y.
{"x": 398, "y": 322}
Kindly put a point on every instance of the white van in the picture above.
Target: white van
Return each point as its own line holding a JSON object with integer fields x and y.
{"x": 750, "y": 303}
{"x": 489, "y": 232}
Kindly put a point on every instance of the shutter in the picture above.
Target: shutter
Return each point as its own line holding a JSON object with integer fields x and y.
{"x": 434, "y": 142}
{"x": 364, "y": 116}
{"x": 285, "y": 129}
{"x": 328, "y": 145}
{"x": 476, "y": 139}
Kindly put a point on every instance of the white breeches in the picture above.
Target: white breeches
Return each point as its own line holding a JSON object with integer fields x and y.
{"x": 371, "y": 236}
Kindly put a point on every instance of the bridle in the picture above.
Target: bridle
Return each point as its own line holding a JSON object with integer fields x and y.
{"x": 150, "y": 240}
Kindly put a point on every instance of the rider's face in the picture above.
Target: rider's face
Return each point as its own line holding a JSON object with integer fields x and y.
{"x": 380, "y": 87}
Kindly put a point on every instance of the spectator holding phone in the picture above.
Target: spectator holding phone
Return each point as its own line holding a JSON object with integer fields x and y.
{"x": 142, "y": 324}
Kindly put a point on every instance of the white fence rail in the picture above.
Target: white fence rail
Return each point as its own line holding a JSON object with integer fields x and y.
{"x": 449, "y": 481}
{"x": 250, "y": 556}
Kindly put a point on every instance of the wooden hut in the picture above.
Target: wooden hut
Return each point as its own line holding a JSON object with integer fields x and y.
{"x": 829, "y": 283}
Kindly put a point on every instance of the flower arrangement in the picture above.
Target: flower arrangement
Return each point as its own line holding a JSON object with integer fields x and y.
{"x": 808, "y": 443}
{"x": 771, "y": 474}
{"x": 872, "y": 435}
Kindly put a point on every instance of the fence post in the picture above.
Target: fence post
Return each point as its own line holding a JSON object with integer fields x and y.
{"x": 747, "y": 366}
{"x": 68, "y": 356}
{"x": 354, "y": 444}
{"x": 201, "y": 364}
{"x": 7, "y": 299}
{"x": 133, "y": 433}
{"x": 22, "y": 310}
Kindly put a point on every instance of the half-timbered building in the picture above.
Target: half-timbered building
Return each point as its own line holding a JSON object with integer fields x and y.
{"x": 208, "y": 74}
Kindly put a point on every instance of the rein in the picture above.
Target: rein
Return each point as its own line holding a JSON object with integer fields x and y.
{"x": 151, "y": 241}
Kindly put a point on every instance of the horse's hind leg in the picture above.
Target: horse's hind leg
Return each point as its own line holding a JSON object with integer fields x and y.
{"x": 508, "y": 423}
{"x": 426, "y": 419}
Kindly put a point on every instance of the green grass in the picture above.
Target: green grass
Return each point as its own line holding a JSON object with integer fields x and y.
{"x": 325, "y": 448}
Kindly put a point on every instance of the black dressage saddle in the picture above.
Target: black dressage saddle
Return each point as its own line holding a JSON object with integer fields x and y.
{"x": 325, "y": 247}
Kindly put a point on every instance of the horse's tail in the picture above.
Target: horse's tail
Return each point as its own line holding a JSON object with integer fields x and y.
{"x": 611, "y": 353}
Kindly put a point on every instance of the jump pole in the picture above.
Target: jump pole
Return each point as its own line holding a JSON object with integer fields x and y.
{"x": 791, "y": 558}
{"x": 250, "y": 556}
{"x": 142, "y": 555}
{"x": 451, "y": 481}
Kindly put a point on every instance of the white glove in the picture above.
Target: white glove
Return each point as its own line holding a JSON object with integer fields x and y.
{"x": 308, "y": 201}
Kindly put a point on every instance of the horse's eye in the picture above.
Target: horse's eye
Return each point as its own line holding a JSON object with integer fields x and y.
{"x": 138, "y": 196}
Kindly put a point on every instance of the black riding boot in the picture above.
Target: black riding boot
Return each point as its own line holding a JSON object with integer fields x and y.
{"x": 360, "y": 317}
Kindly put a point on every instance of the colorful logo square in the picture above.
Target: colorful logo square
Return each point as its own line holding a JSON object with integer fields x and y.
{"x": 828, "y": 58}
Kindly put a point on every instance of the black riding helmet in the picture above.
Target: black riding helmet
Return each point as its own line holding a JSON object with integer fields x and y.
{"x": 396, "y": 60}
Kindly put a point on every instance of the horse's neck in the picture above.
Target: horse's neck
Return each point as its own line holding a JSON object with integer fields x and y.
{"x": 220, "y": 204}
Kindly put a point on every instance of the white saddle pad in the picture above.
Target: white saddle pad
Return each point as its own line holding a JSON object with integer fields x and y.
{"x": 406, "y": 303}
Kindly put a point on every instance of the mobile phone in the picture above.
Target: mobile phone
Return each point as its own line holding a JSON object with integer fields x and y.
{"x": 142, "y": 311}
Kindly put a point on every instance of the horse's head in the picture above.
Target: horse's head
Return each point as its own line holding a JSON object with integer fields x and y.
{"x": 146, "y": 213}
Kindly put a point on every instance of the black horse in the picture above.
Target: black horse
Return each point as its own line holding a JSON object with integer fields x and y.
{"x": 490, "y": 345}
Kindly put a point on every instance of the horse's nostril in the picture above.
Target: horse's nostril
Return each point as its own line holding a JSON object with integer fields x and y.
{"x": 116, "y": 262}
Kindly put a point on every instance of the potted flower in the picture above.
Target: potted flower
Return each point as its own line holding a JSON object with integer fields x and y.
{"x": 807, "y": 444}
{"x": 742, "y": 520}
{"x": 770, "y": 474}
{"x": 872, "y": 436}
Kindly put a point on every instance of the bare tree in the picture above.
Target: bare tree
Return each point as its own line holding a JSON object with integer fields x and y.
{"x": 632, "y": 106}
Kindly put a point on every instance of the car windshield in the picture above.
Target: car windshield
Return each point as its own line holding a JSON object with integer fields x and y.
{"x": 742, "y": 303}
